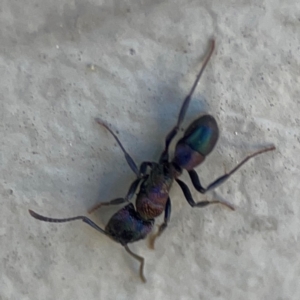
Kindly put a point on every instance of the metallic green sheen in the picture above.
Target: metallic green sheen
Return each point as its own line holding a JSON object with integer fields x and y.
{"x": 202, "y": 135}
{"x": 200, "y": 140}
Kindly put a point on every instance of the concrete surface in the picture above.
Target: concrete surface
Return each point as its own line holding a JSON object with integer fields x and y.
{"x": 63, "y": 63}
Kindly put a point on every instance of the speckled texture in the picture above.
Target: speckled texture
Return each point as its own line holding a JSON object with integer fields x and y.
{"x": 131, "y": 63}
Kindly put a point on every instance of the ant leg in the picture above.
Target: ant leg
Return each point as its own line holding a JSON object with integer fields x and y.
{"x": 196, "y": 182}
{"x": 132, "y": 189}
{"x": 54, "y": 220}
{"x": 116, "y": 201}
{"x": 191, "y": 201}
{"x": 165, "y": 155}
{"x": 140, "y": 259}
{"x": 128, "y": 158}
{"x": 163, "y": 226}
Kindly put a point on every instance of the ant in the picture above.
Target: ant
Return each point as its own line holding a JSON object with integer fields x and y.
{"x": 130, "y": 223}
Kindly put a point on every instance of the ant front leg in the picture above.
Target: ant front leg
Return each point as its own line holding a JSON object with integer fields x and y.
{"x": 191, "y": 201}
{"x": 163, "y": 226}
{"x": 196, "y": 181}
{"x": 165, "y": 155}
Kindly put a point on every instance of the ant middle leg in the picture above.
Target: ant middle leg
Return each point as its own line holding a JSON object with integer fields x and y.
{"x": 132, "y": 189}
{"x": 163, "y": 226}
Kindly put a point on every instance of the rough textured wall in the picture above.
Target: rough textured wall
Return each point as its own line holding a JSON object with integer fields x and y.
{"x": 63, "y": 63}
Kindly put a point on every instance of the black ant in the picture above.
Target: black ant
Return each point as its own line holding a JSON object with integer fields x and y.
{"x": 131, "y": 224}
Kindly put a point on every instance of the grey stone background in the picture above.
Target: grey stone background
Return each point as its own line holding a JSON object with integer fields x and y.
{"x": 63, "y": 63}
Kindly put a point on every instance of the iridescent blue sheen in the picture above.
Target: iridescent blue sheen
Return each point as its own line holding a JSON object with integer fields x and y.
{"x": 127, "y": 226}
{"x": 183, "y": 155}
